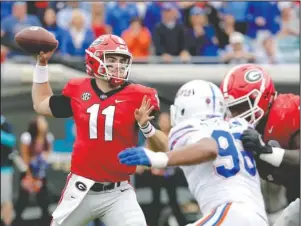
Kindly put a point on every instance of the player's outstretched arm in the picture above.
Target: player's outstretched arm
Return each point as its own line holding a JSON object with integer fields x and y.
{"x": 275, "y": 156}
{"x": 204, "y": 150}
{"x": 41, "y": 90}
{"x": 158, "y": 142}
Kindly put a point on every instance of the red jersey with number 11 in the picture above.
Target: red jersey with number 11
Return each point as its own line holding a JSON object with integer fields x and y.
{"x": 105, "y": 125}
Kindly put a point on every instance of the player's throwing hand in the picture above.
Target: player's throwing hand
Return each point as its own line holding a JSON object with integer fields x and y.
{"x": 142, "y": 115}
{"x": 44, "y": 57}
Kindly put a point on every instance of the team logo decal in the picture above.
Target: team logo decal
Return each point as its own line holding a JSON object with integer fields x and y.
{"x": 86, "y": 96}
{"x": 80, "y": 186}
{"x": 253, "y": 76}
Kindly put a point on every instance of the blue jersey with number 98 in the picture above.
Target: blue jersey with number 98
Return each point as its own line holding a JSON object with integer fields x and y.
{"x": 232, "y": 176}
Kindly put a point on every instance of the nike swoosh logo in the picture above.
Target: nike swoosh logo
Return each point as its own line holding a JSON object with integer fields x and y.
{"x": 72, "y": 197}
{"x": 119, "y": 101}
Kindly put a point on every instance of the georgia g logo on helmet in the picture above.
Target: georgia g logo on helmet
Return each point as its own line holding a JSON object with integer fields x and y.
{"x": 253, "y": 76}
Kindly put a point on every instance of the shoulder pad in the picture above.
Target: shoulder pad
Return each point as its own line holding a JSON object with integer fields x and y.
{"x": 68, "y": 90}
{"x": 141, "y": 90}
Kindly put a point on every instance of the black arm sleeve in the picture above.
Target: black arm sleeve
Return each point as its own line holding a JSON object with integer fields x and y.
{"x": 60, "y": 106}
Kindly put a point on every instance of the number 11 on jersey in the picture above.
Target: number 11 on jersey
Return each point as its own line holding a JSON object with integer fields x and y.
{"x": 93, "y": 121}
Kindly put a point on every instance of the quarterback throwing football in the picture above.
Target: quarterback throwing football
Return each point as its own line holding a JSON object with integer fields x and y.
{"x": 108, "y": 112}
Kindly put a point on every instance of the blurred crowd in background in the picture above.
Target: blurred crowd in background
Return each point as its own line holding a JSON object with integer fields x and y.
{"x": 229, "y": 32}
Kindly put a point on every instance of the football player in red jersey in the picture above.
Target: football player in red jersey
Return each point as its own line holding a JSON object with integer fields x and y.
{"x": 108, "y": 112}
{"x": 250, "y": 93}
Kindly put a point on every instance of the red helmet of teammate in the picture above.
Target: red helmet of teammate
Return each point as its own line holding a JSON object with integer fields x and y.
{"x": 248, "y": 91}
{"x": 100, "y": 65}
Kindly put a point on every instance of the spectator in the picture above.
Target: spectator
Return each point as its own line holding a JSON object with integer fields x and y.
{"x": 239, "y": 12}
{"x": 8, "y": 142}
{"x": 50, "y": 24}
{"x": 227, "y": 28}
{"x": 213, "y": 15}
{"x": 78, "y": 37}
{"x": 237, "y": 52}
{"x": 141, "y": 6}
{"x": 169, "y": 35}
{"x": 64, "y": 15}
{"x": 201, "y": 26}
{"x": 287, "y": 39}
{"x": 195, "y": 36}
{"x": 137, "y": 38}
{"x": 58, "y": 5}
{"x": 289, "y": 23}
{"x": 35, "y": 147}
{"x": 263, "y": 16}
{"x": 185, "y": 8}
{"x": 289, "y": 47}
{"x": 98, "y": 15}
{"x": 268, "y": 53}
{"x": 152, "y": 15}
{"x": 6, "y": 9}
{"x": 119, "y": 15}
{"x": 18, "y": 20}
{"x": 40, "y": 8}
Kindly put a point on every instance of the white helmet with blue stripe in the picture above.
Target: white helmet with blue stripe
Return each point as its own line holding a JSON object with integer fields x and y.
{"x": 197, "y": 99}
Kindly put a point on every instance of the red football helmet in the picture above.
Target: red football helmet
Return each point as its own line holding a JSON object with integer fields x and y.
{"x": 249, "y": 90}
{"x": 99, "y": 65}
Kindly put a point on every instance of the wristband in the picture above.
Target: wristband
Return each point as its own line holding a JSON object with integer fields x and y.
{"x": 148, "y": 130}
{"x": 40, "y": 74}
{"x": 274, "y": 158}
{"x": 159, "y": 160}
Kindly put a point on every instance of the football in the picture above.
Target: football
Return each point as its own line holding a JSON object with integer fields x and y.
{"x": 35, "y": 39}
